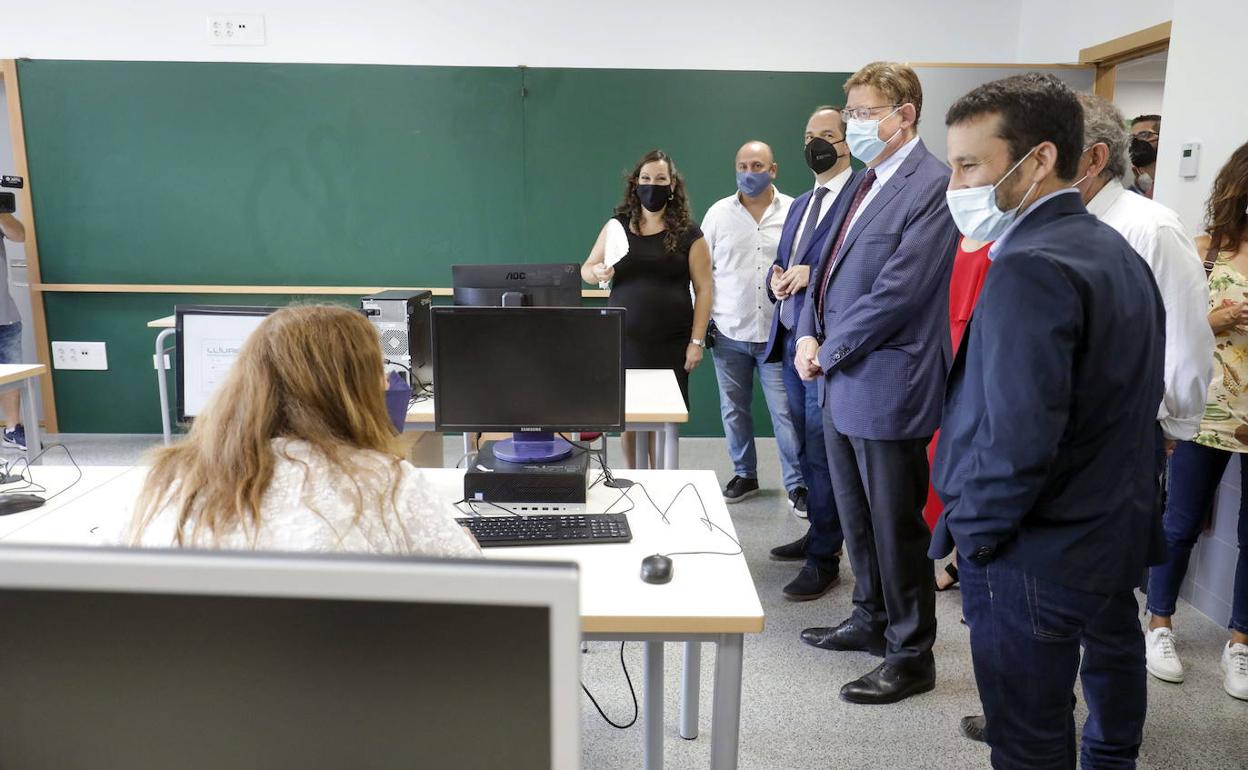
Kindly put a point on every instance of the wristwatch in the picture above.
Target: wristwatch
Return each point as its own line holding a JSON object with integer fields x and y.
{"x": 699, "y": 343}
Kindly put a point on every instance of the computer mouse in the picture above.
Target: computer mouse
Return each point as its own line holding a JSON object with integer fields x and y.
{"x": 656, "y": 569}
{"x": 16, "y": 503}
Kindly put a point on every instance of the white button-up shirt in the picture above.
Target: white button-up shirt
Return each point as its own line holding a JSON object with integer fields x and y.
{"x": 1157, "y": 234}
{"x": 742, "y": 251}
{"x": 834, "y": 185}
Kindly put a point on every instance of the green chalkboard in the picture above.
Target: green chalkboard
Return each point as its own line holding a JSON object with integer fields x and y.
{"x": 344, "y": 175}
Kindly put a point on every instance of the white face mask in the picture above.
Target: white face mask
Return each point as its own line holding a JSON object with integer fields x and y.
{"x": 975, "y": 211}
{"x": 863, "y": 137}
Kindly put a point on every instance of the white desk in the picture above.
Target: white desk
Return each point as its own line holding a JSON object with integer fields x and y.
{"x": 652, "y": 404}
{"x": 23, "y": 376}
{"x": 710, "y": 598}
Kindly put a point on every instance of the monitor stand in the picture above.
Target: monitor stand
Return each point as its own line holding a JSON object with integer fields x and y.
{"x": 532, "y": 448}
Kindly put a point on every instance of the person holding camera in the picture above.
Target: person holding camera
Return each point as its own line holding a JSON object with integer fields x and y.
{"x": 14, "y": 435}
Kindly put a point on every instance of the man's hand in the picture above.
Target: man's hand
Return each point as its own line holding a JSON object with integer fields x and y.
{"x": 795, "y": 279}
{"x": 777, "y": 283}
{"x": 806, "y": 361}
{"x": 1170, "y": 445}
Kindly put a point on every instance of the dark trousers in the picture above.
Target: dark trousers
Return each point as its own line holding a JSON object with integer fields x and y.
{"x": 880, "y": 488}
{"x": 824, "y": 538}
{"x": 1195, "y": 472}
{"x": 1025, "y": 638}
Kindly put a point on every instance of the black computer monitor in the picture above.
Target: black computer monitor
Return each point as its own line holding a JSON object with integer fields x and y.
{"x": 557, "y": 285}
{"x": 147, "y": 659}
{"x": 532, "y": 371}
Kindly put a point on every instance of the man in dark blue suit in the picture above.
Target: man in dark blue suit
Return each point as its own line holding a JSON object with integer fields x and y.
{"x": 802, "y": 241}
{"x": 875, "y": 336}
{"x": 1050, "y": 447}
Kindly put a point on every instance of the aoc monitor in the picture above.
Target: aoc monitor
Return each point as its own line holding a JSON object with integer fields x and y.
{"x": 528, "y": 285}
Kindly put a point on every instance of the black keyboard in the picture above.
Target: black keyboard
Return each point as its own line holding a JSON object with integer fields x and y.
{"x": 549, "y": 529}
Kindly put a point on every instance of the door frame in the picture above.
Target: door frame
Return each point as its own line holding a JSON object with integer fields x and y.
{"x": 1108, "y": 55}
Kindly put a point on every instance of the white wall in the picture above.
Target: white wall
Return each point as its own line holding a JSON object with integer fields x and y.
{"x": 1055, "y": 30}
{"x": 693, "y": 34}
{"x": 1139, "y": 98}
{"x": 1206, "y": 101}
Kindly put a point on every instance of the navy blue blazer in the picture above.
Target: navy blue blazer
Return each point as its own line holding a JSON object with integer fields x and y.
{"x": 1050, "y": 447}
{"x": 814, "y": 250}
{"x": 884, "y": 331}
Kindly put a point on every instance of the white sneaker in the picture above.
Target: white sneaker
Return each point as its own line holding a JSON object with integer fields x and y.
{"x": 1160, "y": 656}
{"x": 1235, "y": 667}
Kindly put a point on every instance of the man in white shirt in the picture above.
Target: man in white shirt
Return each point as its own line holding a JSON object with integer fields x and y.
{"x": 742, "y": 231}
{"x": 1158, "y": 235}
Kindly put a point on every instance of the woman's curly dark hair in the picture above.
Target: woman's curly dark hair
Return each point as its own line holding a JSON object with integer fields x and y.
{"x": 675, "y": 217}
{"x": 1226, "y": 214}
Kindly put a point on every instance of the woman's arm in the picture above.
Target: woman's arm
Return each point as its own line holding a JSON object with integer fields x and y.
{"x": 700, "y": 274}
{"x": 595, "y": 269}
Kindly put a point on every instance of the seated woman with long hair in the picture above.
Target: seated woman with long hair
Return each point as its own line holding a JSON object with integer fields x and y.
{"x": 296, "y": 452}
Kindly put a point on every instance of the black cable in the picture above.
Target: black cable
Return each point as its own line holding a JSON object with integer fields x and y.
{"x": 30, "y": 484}
{"x": 631, "y": 691}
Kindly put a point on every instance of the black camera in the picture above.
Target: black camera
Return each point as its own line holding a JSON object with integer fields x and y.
{"x": 8, "y": 201}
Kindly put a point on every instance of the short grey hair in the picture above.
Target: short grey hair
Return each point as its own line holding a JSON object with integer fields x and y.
{"x": 1104, "y": 124}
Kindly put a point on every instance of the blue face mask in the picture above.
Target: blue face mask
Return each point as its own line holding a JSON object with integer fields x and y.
{"x": 863, "y": 137}
{"x": 753, "y": 183}
{"x": 975, "y": 211}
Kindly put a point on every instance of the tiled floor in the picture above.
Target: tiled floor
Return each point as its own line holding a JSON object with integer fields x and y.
{"x": 791, "y": 716}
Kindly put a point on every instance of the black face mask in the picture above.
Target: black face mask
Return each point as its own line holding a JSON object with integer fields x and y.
{"x": 654, "y": 196}
{"x": 821, "y": 155}
{"x": 1143, "y": 153}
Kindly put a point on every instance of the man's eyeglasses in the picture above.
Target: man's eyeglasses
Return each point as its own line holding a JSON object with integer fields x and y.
{"x": 865, "y": 113}
{"x": 1148, "y": 136}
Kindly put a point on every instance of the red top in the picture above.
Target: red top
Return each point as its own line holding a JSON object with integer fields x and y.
{"x": 969, "y": 270}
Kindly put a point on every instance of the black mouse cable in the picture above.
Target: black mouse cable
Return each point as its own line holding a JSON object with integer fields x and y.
{"x": 631, "y": 691}
{"x": 31, "y": 485}
{"x": 706, "y": 519}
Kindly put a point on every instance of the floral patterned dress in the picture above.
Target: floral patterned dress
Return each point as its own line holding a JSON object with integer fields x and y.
{"x": 1225, "y": 425}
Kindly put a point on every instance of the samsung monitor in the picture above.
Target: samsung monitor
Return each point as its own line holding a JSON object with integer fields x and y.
{"x": 208, "y": 339}
{"x": 534, "y": 372}
{"x": 155, "y": 659}
{"x": 557, "y": 285}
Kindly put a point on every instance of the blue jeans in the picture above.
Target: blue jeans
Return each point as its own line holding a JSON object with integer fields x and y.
{"x": 11, "y": 343}
{"x": 1026, "y": 634}
{"x": 735, "y": 363}
{"x": 824, "y": 538}
{"x": 1195, "y": 472}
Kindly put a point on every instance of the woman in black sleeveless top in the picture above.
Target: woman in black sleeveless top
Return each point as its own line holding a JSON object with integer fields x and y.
{"x": 664, "y": 328}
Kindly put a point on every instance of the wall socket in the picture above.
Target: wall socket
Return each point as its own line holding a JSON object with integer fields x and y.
{"x": 236, "y": 29}
{"x": 79, "y": 355}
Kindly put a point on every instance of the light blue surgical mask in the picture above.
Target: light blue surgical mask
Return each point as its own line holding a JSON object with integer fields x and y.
{"x": 753, "y": 183}
{"x": 863, "y": 137}
{"x": 975, "y": 211}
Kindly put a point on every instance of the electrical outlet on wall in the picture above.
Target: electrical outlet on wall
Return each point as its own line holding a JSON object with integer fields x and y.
{"x": 79, "y": 355}
{"x": 236, "y": 29}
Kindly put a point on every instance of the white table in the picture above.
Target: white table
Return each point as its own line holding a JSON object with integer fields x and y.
{"x": 710, "y": 598}
{"x": 652, "y": 404}
{"x": 23, "y": 376}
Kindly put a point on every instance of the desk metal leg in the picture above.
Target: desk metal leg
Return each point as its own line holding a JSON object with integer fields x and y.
{"x": 726, "y": 715}
{"x": 641, "y": 449}
{"x": 34, "y": 438}
{"x": 659, "y": 447}
{"x": 158, "y": 361}
{"x": 690, "y": 684}
{"x": 653, "y": 705}
{"x": 671, "y": 443}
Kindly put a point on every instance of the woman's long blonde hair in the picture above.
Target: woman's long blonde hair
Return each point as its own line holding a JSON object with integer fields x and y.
{"x": 311, "y": 372}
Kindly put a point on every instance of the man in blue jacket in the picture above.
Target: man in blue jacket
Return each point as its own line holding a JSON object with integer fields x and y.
{"x": 1050, "y": 447}
{"x": 875, "y": 336}
{"x": 803, "y": 239}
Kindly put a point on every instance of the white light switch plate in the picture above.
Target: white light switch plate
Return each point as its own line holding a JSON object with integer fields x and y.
{"x": 79, "y": 355}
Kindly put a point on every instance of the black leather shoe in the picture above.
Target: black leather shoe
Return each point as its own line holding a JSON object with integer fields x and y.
{"x": 795, "y": 551}
{"x": 972, "y": 727}
{"x": 889, "y": 684}
{"x": 813, "y": 581}
{"x": 847, "y": 637}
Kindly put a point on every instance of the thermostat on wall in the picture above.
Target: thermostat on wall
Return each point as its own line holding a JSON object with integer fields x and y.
{"x": 1189, "y": 160}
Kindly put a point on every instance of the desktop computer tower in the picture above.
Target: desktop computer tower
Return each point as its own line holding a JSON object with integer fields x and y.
{"x": 401, "y": 318}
